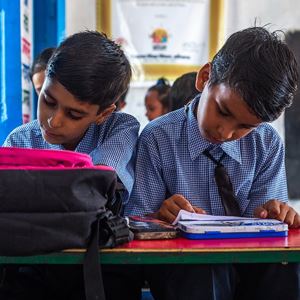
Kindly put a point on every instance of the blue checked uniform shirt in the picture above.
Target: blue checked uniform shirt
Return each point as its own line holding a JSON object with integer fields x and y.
{"x": 111, "y": 143}
{"x": 170, "y": 161}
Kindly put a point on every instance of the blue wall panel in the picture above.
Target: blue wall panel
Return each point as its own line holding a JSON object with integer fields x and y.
{"x": 48, "y": 31}
{"x": 10, "y": 57}
{"x": 45, "y": 25}
{"x": 49, "y": 27}
{"x": 61, "y": 20}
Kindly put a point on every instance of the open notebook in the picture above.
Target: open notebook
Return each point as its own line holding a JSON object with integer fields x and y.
{"x": 198, "y": 226}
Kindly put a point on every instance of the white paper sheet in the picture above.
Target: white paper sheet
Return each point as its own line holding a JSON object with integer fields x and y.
{"x": 184, "y": 215}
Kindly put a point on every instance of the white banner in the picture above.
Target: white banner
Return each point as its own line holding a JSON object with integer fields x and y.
{"x": 26, "y": 55}
{"x": 160, "y": 37}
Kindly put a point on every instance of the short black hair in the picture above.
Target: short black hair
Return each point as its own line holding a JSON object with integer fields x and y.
{"x": 260, "y": 67}
{"x": 162, "y": 87}
{"x": 183, "y": 90}
{"x": 40, "y": 62}
{"x": 91, "y": 67}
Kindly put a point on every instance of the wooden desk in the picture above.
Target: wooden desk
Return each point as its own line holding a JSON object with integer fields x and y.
{"x": 183, "y": 251}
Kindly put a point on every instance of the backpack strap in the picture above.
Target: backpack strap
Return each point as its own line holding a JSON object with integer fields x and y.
{"x": 107, "y": 232}
{"x": 114, "y": 231}
{"x": 93, "y": 281}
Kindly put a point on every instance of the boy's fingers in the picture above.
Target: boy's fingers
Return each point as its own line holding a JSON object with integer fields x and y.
{"x": 270, "y": 209}
{"x": 183, "y": 203}
{"x": 260, "y": 212}
{"x": 296, "y": 223}
{"x": 174, "y": 204}
{"x": 199, "y": 210}
{"x": 284, "y": 211}
{"x": 166, "y": 215}
{"x": 171, "y": 207}
{"x": 273, "y": 208}
{"x": 289, "y": 217}
{"x": 292, "y": 218}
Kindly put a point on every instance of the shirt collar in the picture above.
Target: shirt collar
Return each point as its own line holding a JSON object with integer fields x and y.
{"x": 197, "y": 144}
{"x": 87, "y": 139}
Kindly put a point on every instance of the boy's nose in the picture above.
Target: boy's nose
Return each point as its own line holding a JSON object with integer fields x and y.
{"x": 226, "y": 133}
{"x": 54, "y": 121}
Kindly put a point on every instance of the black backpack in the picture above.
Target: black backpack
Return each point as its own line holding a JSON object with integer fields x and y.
{"x": 55, "y": 200}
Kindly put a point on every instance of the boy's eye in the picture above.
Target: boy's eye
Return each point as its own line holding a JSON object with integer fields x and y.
{"x": 152, "y": 108}
{"x": 74, "y": 115}
{"x": 223, "y": 113}
{"x": 48, "y": 101}
{"x": 247, "y": 127}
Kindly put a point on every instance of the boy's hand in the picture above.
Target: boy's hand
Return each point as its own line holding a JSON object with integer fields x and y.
{"x": 275, "y": 209}
{"x": 171, "y": 207}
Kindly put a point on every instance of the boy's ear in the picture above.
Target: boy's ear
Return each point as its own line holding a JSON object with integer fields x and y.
{"x": 102, "y": 116}
{"x": 203, "y": 77}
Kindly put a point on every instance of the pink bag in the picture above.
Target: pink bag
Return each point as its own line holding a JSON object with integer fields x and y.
{"x": 27, "y": 158}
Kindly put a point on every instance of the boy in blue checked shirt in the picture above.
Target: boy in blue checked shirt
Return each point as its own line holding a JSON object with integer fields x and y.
{"x": 84, "y": 79}
{"x": 249, "y": 82}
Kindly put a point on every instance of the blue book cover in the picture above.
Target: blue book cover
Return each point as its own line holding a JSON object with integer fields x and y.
{"x": 197, "y": 226}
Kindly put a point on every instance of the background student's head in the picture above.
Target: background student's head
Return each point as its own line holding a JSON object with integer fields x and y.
{"x": 157, "y": 99}
{"x": 251, "y": 80}
{"x": 183, "y": 90}
{"x": 85, "y": 77}
{"x": 38, "y": 68}
{"x": 121, "y": 103}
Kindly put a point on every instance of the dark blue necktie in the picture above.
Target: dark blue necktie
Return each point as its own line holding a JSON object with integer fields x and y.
{"x": 225, "y": 187}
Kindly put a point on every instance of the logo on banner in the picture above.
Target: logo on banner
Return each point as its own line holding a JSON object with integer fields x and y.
{"x": 121, "y": 41}
{"x": 160, "y": 39}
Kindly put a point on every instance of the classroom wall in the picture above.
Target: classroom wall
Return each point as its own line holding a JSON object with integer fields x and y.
{"x": 280, "y": 15}
{"x": 80, "y": 15}
{"x": 292, "y": 128}
{"x": 283, "y": 15}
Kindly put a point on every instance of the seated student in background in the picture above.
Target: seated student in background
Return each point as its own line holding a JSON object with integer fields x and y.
{"x": 38, "y": 69}
{"x": 157, "y": 99}
{"x": 84, "y": 78}
{"x": 121, "y": 103}
{"x": 249, "y": 82}
{"x": 183, "y": 90}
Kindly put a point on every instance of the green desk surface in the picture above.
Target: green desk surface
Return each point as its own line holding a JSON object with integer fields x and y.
{"x": 182, "y": 251}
